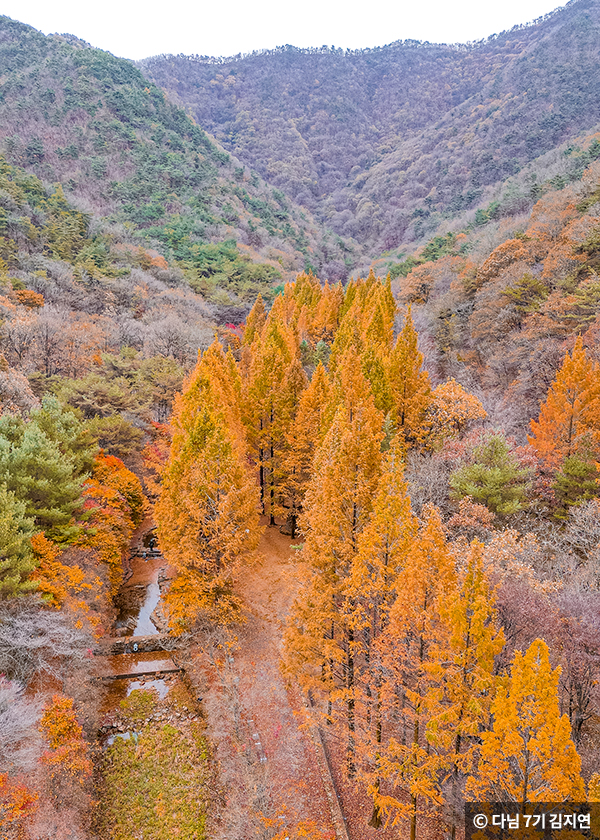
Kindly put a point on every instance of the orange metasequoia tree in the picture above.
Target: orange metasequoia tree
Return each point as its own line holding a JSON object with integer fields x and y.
{"x": 337, "y": 507}
{"x": 528, "y": 755}
{"x": 410, "y": 386}
{"x": 255, "y": 321}
{"x": 414, "y": 631}
{"x": 305, "y": 435}
{"x": 274, "y": 382}
{"x": 570, "y": 417}
{"x": 462, "y": 674}
{"x": 207, "y": 514}
{"x": 383, "y": 549}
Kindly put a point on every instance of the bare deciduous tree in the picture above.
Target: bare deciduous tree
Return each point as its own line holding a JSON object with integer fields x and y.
{"x": 427, "y": 476}
{"x": 37, "y": 640}
{"x": 51, "y": 329}
{"x": 20, "y": 744}
{"x": 18, "y": 337}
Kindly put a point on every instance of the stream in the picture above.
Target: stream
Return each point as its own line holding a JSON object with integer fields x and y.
{"x": 145, "y": 626}
{"x": 137, "y": 600}
{"x": 154, "y": 774}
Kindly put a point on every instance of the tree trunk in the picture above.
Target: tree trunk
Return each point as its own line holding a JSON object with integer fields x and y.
{"x": 351, "y": 721}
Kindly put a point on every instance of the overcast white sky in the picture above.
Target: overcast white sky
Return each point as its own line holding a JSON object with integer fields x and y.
{"x": 135, "y": 29}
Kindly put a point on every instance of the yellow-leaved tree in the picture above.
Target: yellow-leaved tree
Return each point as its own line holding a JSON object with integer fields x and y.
{"x": 571, "y": 414}
{"x": 255, "y": 321}
{"x": 410, "y": 386}
{"x": 337, "y": 507}
{"x": 383, "y": 548}
{"x": 350, "y": 333}
{"x": 306, "y": 433}
{"x": 327, "y": 314}
{"x": 415, "y": 629}
{"x": 462, "y": 676}
{"x": 528, "y": 755}
{"x": 275, "y": 379}
{"x": 208, "y": 512}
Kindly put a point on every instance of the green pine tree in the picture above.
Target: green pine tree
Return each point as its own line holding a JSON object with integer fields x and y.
{"x": 44, "y": 479}
{"x": 16, "y": 557}
{"x": 494, "y": 478}
{"x": 62, "y": 426}
{"x": 576, "y": 482}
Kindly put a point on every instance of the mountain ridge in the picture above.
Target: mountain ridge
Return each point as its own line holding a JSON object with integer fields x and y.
{"x": 323, "y": 124}
{"x": 458, "y": 45}
{"x": 92, "y": 122}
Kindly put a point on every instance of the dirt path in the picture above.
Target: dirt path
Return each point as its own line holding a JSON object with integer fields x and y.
{"x": 269, "y": 768}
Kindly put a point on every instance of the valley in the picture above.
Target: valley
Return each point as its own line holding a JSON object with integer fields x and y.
{"x": 299, "y": 436}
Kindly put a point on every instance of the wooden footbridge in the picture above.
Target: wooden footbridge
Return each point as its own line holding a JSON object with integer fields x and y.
{"x": 157, "y": 672}
{"x": 115, "y": 645}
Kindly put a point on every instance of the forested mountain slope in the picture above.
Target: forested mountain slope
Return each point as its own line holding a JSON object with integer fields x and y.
{"x": 79, "y": 116}
{"x": 105, "y": 325}
{"x": 383, "y": 144}
{"x": 499, "y": 304}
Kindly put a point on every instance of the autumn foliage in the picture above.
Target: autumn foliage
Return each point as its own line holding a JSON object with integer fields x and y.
{"x": 17, "y": 803}
{"x": 316, "y": 422}
{"x": 207, "y": 514}
{"x": 115, "y": 503}
{"x": 66, "y": 755}
{"x": 528, "y": 755}
{"x": 446, "y": 612}
{"x": 61, "y": 585}
{"x": 569, "y": 420}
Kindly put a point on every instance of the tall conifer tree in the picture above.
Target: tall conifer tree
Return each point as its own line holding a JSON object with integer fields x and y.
{"x": 415, "y": 628}
{"x": 44, "y": 478}
{"x": 338, "y": 504}
{"x": 207, "y": 515}
{"x": 411, "y": 389}
{"x": 268, "y": 412}
{"x": 384, "y": 546}
{"x": 528, "y": 756}
{"x": 571, "y": 414}
{"x": 305, "y": 436}
{"x": 462, "y": 674}
{"x": 255, "y": 321}
{"x": 327, "y": 314}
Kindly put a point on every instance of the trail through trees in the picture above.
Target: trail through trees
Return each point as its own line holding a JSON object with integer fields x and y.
{"x": 248, "y": 697}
